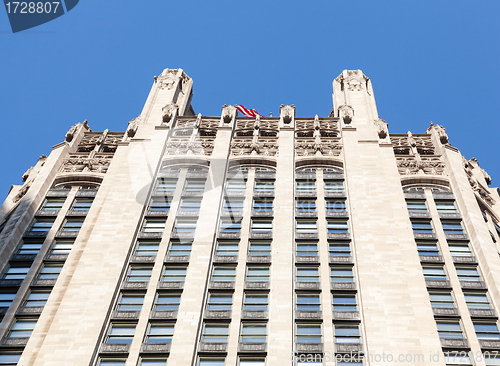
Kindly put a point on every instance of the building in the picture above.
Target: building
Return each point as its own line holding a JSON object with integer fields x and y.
{"x": 192, "y": 240}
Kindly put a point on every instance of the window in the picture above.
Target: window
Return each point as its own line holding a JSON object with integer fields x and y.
{"x": 209, "y": 361}
{"x": 194, "y": 186}
{"x": 459, "y": 249}
{"x": 153, "y": 362}
{"x": 159, "y": 333}
{"x": 185, "y": 226}
{"x": 477, "y": 300}
{"x": 236, "y": 186}
{"x": 335, "y": 206}
{"x": 449, "y": 329}
{"x": 227, "y": 248}
{"x": 53, "y": 204}
{"x": 257, "y": 274}
{"x": 120, "y": 333}
{"x": 305, "y": 249}
{"x": 454, "y": 358}
{"x": 486, "y": 330}
{"x": 190, "y": 204}
{"x": 147, "y": 248}
{"x": 22, "y": 328}
{"x": 434, "y": 273}
{"x": 166, "y": 185}
{"x": 244, "y": 361}
{"x": 230, "y": 226}
{"x": 262, "y": 205}
{"x": 30, "y": 247}
{"x": 159, "y": 204}
{"x": 174, "y": 274}
{"x": 259, "y": 248}
{"x": 179, "y": 248}
{"x": 341, "y": 274}
{"x": 305, "y": 205}
{"x": 41, "y": 226}
{"x": 82, "y": 204}
{"x": 6, "y": 298}
{"x": 62, "y": 247}
{"x": 427, "y": 248}
{"x": 130, "y": 301}
{"x": 446, "y": 207}
{"x": 262, "y": 226}
{"x": 441, "y": 299}
{"x": 339, "y": 249}
{"x": 223, "y": 273}
{"x": 308, "y": 333}
{"x": 344, "y": 303}
{"x": 307, "y": 274}
{"x": 305, "y": 186}
{"x": 421, "y": 226}
{"x": 264, "y": 186}
{"x": 452, "y": 227}
{"x": 468, "y": 274}
{"x": 9, "y": 359}
{"x": 308, "y": 302}
{"x": 50, "y": 272}
{"x": 335, "y": 186}
{"x": 306, "y": 227}
{"x": 37, "y": 298}
{"x": 253, "y": 333}
{"x": 215, "y": 333}
{"x": 16, "y": 273}
{"x": 72, "y": 225}
{"x": 347, "y": 333}
{"x": 139, "y": 273}
{"x": 416, "y": 206}
{"x": 233, "y": 206}
{"x": 337, "y": 226}
{"x": 490, "y": 360}
{"x": 168, "y": 302}
{"x": 153, "y": 226}
{"x": 111, "y": 362}
{"x": 350, "y": 363}
{"x": 219, "y": 302}
{"x": 255, "y": 302}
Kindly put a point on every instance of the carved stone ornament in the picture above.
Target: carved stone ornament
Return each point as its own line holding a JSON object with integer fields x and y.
{"x": 346, "y": 113}
{"x": 411, "y": 165}
{"x": 132, "y": 126}
{"x": 228, "y": 111}
{"x": 71, "y": 133}
{"x": 287, "y": 112}
{"x": 21, "y": 193}
{"x": 441, "y": 132}
{"x": 168, "y": 112}
{"x": 167, "y": 79}
{"x": 381, "y": 128}
{"x": 77, "y": 164}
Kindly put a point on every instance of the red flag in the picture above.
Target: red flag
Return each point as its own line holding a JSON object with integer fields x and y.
{"x": 247, "y": 112}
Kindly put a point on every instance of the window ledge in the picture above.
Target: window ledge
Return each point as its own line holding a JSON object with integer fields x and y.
{"x": 217, "y": 314}
{"x": 483, "y": 313}
{"x": 308, "y": 315}
{"x": 163, "y": 314}
{"x": 446, "y": 312}
{"x": 346, "y": 315}
{"x": 454, "y": 343}
{"x": 125, "y": 315}
{"x": 155, "y": 348}
{"x": 254, "y": 315}
{"x": 437, "y": 284}
{"x": 252, "y": 348}
{"x": 213, "y": 347}
{"x": 114, "y": 348}
{"x": 473, "y": 285}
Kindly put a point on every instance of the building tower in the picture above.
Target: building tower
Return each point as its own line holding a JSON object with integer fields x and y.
{"x": 193, "y": 240}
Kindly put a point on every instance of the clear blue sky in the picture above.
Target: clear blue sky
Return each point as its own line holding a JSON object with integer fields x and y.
{"x": 428, "y": 60}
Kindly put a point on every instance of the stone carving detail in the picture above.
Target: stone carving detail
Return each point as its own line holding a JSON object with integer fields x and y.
{"x": 478, "y": 183}
{"x": 381, "y": 128}
{"x": 167, "y": 79}
{"x": 257, "y": 136}
{"x": 346, "y": 113}
{"x": 228, "y": 112}
{"x": 193, "y": 137}
{"x": 132, "y": 126}
{"x": 287, "y": 112}
{"x": 77, "y": 163}
{"x": 168, "y": 112}
{"x": 71, "y": 133}
{"x": 417, "y": 165}
{"x": 317, "y": 137}
{"x": 412, "y": 144}
{"x": 443, "y": 137}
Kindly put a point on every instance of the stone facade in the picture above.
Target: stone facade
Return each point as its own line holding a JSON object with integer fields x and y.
{"x": 268, "y": 240}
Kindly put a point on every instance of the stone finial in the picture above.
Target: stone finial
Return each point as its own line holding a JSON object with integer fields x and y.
{"x": 71, "y": 133}
{"x": 381, "y": 128}
{"x": 346, "y": 113}
{"x": 440, "y": 131}
{"x": 198, "y": 120}
{"x": 287, "y": 113}
{"x": 132, "y": 126}
{"x": 228, "y": 113}
{"x": 169, "y": 111}
{"x": 411, "y": 140}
